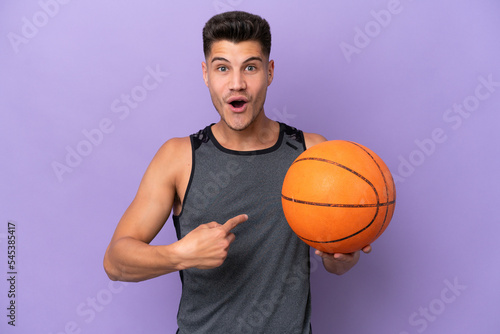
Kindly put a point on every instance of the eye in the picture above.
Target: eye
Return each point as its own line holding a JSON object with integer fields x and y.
{"x": 251, "y": 68}
{"x": 222, "y": 68}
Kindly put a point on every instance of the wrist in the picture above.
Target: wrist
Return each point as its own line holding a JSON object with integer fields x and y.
{"x": 171, "y": 257}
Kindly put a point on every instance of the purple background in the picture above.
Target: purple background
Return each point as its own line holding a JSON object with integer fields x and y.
{"x": 64, "y": 69}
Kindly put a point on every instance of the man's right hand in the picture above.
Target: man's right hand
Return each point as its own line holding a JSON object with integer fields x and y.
{"x": 206, "y": 246}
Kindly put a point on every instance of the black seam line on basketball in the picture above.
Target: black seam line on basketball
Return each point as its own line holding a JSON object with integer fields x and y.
{"x": 385, "y": 183}
{"x": 360, "y": 176}
{"x": 348, "y": 169}
{"x": 341, "y": 166}
{"x": 336, "y": 205}
{"x": 344, "y": 238}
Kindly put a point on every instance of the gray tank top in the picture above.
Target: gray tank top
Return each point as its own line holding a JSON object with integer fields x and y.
{"x": 263, "y": 285}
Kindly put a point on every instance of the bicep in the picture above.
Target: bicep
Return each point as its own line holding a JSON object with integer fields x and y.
{"x": 143, "y": 219}
{"x": 153, "y": 202}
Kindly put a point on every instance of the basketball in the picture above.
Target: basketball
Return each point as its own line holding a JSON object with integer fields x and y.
{"x": 338, "y": 196}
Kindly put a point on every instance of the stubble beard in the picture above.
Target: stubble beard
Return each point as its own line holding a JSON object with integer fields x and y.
{"x": 240, "y": 126}
{"x": 253, "y": 102}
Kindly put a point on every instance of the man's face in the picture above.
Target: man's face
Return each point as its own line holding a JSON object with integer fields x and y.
{"x": 237, "y": 76}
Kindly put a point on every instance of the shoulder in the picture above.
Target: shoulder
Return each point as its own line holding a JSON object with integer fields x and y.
{"x": 174, "y": 147}
{"x": 171, "y": 159}
{"x": 312, "y": 139}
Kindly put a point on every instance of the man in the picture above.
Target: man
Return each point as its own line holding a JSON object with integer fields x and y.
{"x": 242, "y": 268}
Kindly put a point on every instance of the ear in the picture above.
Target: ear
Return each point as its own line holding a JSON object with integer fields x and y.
{"x": 204, "y": 67}
{"x": 270, "y": 71}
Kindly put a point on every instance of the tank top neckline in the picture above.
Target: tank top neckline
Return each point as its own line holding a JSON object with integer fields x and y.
{"x": 270, "y": 149}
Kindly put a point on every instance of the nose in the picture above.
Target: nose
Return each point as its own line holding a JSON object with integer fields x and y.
{"x": 237, "y": 81}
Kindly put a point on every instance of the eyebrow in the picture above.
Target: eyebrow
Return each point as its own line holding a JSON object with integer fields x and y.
{"x": 246, "y": 61}
{"x": 220, "y": 59}
{"x": 253, "y": 59}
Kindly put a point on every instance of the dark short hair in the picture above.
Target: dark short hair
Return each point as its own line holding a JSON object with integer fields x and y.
{"x": 237, "y": 26}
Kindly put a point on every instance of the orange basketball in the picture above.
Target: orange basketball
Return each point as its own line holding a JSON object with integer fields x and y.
{"x": 338, "y": 196}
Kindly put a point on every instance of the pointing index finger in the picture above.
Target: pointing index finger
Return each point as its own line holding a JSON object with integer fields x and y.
{"x": 233, "y": 222}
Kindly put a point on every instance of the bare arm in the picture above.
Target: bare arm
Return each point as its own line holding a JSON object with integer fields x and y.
{"x": 312, "y": 139}
{"x": 129, "y": 257}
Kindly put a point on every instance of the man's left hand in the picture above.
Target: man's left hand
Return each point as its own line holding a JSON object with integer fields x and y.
{"x": 340, "y": 263}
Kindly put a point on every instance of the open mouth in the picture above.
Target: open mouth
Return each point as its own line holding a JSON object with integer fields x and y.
{"x": 238, "y": 104}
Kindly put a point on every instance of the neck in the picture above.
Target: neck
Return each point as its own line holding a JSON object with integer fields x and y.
{"x": 262, "y": 133}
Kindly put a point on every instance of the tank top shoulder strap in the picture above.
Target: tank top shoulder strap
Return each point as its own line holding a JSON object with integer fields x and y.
{"x": 294, "y": 135}
{"x": 200, "y": 137}
{"x": 290, "y": 134}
